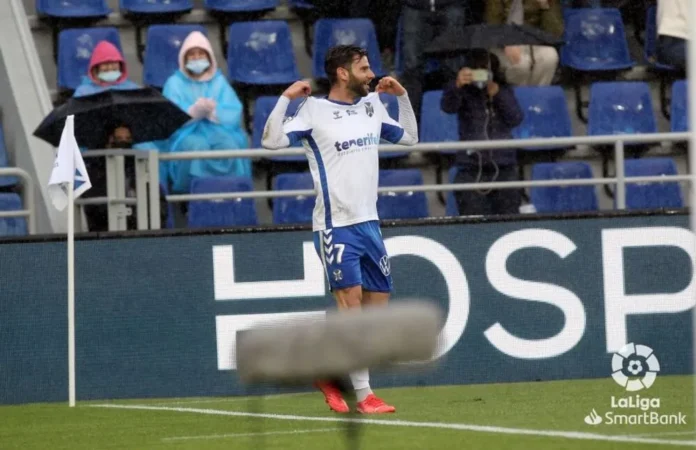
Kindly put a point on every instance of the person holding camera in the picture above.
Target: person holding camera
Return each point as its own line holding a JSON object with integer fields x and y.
{"x": 487, "y": 110}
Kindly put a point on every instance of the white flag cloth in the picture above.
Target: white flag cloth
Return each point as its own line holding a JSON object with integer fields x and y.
{"x": 68, "y": 167}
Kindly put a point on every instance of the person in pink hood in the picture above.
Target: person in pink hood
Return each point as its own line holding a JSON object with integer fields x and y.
{"x": 107, "y": 70}
{"x": 200, "y": 89}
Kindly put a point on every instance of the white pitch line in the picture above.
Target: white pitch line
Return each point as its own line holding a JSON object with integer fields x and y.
{"x": 403, "y": 423}
{"x": 665, "y": 433}
{"x": 233, "y": 399}
{"x": 237, "y": 435}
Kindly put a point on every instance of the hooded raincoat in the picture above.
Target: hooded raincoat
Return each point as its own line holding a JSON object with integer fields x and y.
{"x": 104, "y": 52}
{"x": 220, "y": 131}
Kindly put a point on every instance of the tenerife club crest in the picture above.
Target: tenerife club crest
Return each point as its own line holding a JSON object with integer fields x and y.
{"x": 369, "y": 109}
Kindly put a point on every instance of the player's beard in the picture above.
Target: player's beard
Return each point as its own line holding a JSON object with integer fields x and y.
{"x": 359, "y": 88}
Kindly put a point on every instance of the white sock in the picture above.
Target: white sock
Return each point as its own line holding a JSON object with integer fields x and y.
{"x": 361, "y": 384}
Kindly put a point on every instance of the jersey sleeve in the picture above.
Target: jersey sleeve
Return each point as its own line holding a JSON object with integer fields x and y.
{"x": 297, "y": 126}
{"x": 405, "y": 131}
{"x": 281, "y": 131}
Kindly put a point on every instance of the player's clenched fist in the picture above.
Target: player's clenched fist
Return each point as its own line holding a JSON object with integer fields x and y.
{"x": 390, "y": 86}
{"x": 298, "y": 89}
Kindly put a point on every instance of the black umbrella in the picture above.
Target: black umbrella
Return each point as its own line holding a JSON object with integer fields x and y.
{"x": 147, "y": 113}
{"x": 489, "y": 36}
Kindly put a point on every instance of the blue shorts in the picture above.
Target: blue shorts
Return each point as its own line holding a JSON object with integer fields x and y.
{"x": 355, "y": 255}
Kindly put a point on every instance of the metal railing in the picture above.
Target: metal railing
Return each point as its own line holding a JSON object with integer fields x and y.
{"x": 27, "y": 196}
{"x": 147, "y": 171}
{"x": 618, "y": 142}
{"x": 116, "y": 199}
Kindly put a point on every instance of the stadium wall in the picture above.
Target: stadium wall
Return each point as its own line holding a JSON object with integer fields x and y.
{"x": 532, "y": 298}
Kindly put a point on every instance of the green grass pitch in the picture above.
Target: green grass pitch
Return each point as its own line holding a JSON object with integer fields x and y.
{"x": 540, "y": 416}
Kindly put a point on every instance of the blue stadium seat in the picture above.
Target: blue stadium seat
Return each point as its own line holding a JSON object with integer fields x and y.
{"x": 293, "y": 210}
{"x": 451, "y": 208}
{"x": 679, "y": 116}
{"x": 234, "y": 6}
{"x": 409, "y": 205}
{"x": 436, "y": 125}
{"x": 222, "y": 213}
{"x": 300, "y": 4}
{"x": 620, "y": 108}
{"x": 12, "y": 226}
{"x": 72, "y": 9}
{"x": 331, "y": 32}
{"x": 545, "y": 113}
{"x": 652, "y": 195}
{"x": 595, "y": 40}
{"x": 262, "y": 109}
{"x": 261, "y": 53}
{"x": 75, "y": 48}
{"x": 162, "y": 51}
{"x": 6, "y": 180}
{"x": 563, "y": 198}
{"x": 155, "y": 6}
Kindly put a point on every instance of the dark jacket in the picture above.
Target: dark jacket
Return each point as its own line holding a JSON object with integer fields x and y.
{"x": 476, "y": 123}
{"x": 426, "y": 5}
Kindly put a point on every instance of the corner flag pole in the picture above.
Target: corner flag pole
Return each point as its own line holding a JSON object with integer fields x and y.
{"x": 69, "y": 179}
{"x": 71, "y": 294}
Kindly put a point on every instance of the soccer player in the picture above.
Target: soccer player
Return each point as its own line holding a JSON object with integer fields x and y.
{"x": 341, "y": 134}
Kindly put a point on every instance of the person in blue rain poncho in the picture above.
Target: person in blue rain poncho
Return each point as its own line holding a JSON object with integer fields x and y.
{"x": 200, "y": 89}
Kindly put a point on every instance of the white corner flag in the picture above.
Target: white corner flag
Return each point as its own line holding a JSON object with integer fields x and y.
{"x": 69, "y": 180}
{"x": 68, "y": 169}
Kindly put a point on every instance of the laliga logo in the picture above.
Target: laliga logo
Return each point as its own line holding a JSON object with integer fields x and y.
{"x": 635, "y": 361}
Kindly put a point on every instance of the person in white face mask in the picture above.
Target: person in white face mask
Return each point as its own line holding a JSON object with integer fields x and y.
{"x": 107, "y": 70}
{"x": 200, "y": 89}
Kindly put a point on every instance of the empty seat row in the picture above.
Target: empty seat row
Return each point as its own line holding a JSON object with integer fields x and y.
{"x": 99, "y": 8}
{"x": 562, "y": 199}
{"x": 584, "y": 198}
{"x": 297, "y": 210}
{"x": 414, "y": 205}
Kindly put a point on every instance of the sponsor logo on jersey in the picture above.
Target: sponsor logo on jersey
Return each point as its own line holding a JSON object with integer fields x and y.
{"x": 356, "y": 145}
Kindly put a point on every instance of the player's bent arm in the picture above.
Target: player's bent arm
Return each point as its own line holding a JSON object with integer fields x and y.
{"x": 407, "y": 120}
{"x": 273, "y": 136}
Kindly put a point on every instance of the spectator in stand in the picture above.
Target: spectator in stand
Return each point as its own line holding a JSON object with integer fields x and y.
{"x": 529, "y": 65}
{"x": 487, "y": 110}
{"x": 200, "y": 89}
{"x": 108, "y": 70}
{"x": 422, "y": 21}
{"x": 97, "y": 215}
{"x": 672, "y": 32}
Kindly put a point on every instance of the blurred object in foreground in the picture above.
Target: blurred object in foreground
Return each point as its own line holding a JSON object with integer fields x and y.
{"x": 300, "y": 352}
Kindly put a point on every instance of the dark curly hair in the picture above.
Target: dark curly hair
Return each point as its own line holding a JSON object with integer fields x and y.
{"x": 341, "y": 56}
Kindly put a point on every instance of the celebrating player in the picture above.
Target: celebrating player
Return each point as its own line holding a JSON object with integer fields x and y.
{"x": 341, "y": 134}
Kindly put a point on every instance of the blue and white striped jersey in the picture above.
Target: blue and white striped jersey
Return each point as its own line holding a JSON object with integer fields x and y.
{"x": 341, "y": 142}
